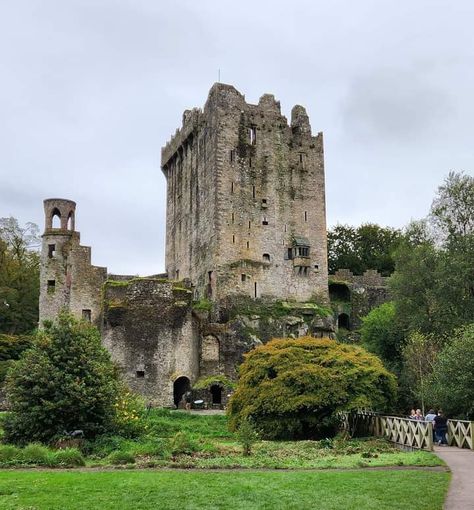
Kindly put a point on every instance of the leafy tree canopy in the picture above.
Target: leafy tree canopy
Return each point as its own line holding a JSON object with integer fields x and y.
{"x": 19, "y": 276}
{"x": 66, "y": 381}
{"x": 293, "y": 388}
{"x": 452, "y": 380}
{"x": 368, "y": 246}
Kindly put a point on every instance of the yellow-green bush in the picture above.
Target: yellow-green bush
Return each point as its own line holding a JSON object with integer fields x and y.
{"x": 294, "y": 388}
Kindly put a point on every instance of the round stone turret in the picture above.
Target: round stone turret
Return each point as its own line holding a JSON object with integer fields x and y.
{"x": 59, "y": 214}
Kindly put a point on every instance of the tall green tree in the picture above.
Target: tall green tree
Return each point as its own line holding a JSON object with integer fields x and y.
{"x": 66, "y": 381}
{"x": 19, "y": 276}
{"x": 368, "y": 246}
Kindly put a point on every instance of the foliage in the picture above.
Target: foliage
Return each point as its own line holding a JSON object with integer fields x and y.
{"x": 381, "y": 334}
{"x": 65, "y": 382}
{"x": 452, "y": 211}
{"x": 203, "y": 305}
{"x": 19, "y": 277}
{"x": 247, "y": 436}
{"x": 119, "y": 457}
{"x": 37, "y": 454}
{"x": 129, "y": 408}
{"x": 182, "y": 443}
{"x": 11, "y": 347}
{"x": 419, "y": 355}
{"x": 452, "y": 381}
{"x": 69, "y": 457}
{"x": 294, "y": 388}
{"x": 368, "y": 246}
{"x": 206, "y": 382}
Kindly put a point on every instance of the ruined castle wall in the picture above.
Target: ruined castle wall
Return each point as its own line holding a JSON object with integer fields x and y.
{"x": 150, "y": 333}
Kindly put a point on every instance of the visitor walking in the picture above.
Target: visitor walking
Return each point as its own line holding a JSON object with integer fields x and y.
{"x": 440, "y": 424}
{"x": 418, "y": 415}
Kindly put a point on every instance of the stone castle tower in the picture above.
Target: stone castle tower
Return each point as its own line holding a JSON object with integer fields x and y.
{"x": 246, "y": 200}
{"x": 67, "y": 278}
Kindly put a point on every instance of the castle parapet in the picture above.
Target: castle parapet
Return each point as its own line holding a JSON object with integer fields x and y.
{"x": 370, "y": 278}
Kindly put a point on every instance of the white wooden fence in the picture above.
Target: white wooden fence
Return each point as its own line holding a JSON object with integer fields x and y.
{"x": 403, "y": 431}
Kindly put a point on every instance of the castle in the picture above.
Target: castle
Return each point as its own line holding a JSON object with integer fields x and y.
{"x": 246, "y": 255}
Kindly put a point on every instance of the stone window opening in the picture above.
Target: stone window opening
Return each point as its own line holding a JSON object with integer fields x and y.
{"x": 51, "y": 286}
{"x": 253, "y": 192}
{"x": 250, "y": 162}
{"x": 316, "y": 266}
{"x": 306, "y": 216}
{"x": 232, "y": 217}
{"x": 70, "y": 221}
{"x": 264, "y": 203}
{"x": 87, "y": 315}
{"x": 248, "y": 245}
{"x": 343, "y": 321}
{"x": 233, "y": 239}
{"x": 177, "y": 274}
{"x": 56, "y": 219}
{"x": 252, "y": 135}
{"x": 232, "y": 187}
{"x": 243, "y": 277}
{"x": 289, "y": 253}
{"x": 249, "y": 225}
{"x": 51, "y": 251}
{"x": 232, "y": 155}
{"x": 264, "y": 221}
{"x": 209, "y": 275}
{"x": 266, "y": 257}
{"x": 255, "y": 289}
{"x": 140, "y": 374}
{"x": 285, "y": 228}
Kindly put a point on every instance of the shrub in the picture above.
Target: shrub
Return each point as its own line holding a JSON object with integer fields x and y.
{"x": 119, "y": 458}
{"x": 129, "y": 409}
{"x": 295, "y": 388}
{"x": 66, "y": 381}
{"x": 69, "y": 457}
{"x": 181, "y": 443}
{"x": 8, "y": 453}
{"x": 37, "y": 454}
{"x": 247, "y": 436}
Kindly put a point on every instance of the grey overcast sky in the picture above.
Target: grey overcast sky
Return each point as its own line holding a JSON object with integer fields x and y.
{"x": 91, "y": 89}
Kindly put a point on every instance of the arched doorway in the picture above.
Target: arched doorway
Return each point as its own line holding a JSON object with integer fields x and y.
{"x": 180, "y": 387}
{"x": 216, "y": 393}
{"x": 343, "y": 321}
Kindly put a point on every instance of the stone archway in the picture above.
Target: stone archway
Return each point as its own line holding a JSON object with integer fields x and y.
{"x": 343, "y": 321}
{"x": 180, "y": 387}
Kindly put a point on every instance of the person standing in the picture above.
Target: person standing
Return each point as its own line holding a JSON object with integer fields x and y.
{"x": 440, "y": 424}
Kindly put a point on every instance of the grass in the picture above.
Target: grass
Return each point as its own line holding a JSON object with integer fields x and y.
{"x": 163, "y": 490}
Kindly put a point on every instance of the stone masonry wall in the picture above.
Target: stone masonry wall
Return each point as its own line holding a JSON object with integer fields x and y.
{"x": 242, "y": 186}
{"x": 150, "y": 332}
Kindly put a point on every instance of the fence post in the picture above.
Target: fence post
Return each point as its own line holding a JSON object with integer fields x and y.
{"x": 472, "y": 435}
{"x": 430, "y": 436}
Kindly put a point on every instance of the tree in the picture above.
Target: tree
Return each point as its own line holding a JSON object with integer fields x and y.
{"x": 294, "y": 388}
{"x": 419, "y": 356}
{"x": 380, "y": 334}
{"x": 11, "y": 348}
{"x": 452, "y": 379}
{"x": 19, "y": 277}
{"x": 452, "y": 210}
{"x": 368, "y": 246}
{"x": 66, "y": 381}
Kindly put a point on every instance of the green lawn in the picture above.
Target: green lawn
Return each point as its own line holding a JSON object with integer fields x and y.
{"x": 137, "y": 490}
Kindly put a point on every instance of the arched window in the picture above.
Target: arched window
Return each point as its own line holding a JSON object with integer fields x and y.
{"x": 55, "y": 218}
{"x": 70, "y": 221}
{"x": 266, "y": 257}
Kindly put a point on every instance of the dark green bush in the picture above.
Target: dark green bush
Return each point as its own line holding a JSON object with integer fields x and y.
{"x": 293, "y": 389}
{"x": 66, "y": 381}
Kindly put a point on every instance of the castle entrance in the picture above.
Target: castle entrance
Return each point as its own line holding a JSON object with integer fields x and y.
{"x": 180, "y": 387}
{"x": 216, "y": 393}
